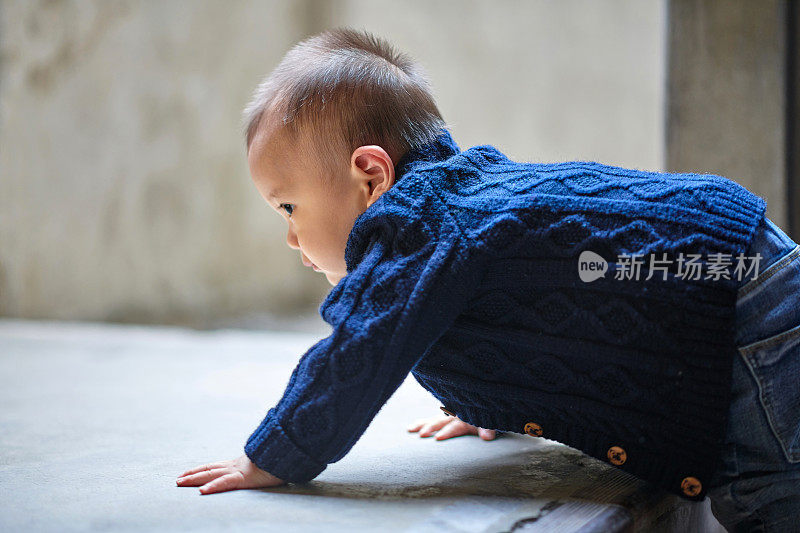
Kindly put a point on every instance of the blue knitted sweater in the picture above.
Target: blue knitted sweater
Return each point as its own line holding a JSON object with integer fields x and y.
{"x": 466, "y": 274}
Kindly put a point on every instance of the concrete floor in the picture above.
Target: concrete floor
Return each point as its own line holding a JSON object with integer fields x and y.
{"x": 98, "y": 420}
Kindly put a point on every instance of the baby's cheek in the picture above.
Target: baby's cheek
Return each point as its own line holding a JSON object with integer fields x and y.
{"x": 335, "y": 250}
{"x": 321, "y": 254}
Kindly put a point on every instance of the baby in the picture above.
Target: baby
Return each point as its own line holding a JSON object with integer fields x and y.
{"x": 618, "y": 311}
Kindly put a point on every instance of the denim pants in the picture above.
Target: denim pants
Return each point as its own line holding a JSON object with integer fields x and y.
{"x": 757, "y": 486}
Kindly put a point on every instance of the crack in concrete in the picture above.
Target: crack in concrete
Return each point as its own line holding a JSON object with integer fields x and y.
{"x": 522, "y": 522}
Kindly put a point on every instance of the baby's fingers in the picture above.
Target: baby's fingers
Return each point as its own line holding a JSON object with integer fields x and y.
{"x": 209, "y": 466}
{"x": 224, "y": 483}
{"x": 431, "y": 427}
{"x": 487, "y": 434}
{"x": 417, "y": 424}
{"x": 421, "y": 422}
{"x": 454, "y": 429}
{"x": 194, "y": 480}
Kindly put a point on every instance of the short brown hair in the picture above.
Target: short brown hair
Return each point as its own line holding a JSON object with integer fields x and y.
{"x": 345, "y": 88}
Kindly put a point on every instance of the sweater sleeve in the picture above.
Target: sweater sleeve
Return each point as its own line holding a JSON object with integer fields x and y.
{"x": 385, "y": 314}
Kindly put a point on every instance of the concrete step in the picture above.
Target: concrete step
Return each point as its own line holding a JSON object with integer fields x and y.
{"x": 99, "y": 420}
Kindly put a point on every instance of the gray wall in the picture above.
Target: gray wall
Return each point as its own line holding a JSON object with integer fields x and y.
{"x": 727, "y": 102}
{"x": 124, "y": 190}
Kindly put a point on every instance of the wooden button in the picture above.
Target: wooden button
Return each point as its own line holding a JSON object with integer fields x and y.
{"x": 446, "y": 411}
{"x": 617, "y": 455}
{"x": 533, "y": 429}
{"x": 691, "y": 486}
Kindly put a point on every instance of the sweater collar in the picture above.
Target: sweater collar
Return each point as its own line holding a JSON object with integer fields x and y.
{"x": 442, "y": 147}
{"x": 375, "y": 217}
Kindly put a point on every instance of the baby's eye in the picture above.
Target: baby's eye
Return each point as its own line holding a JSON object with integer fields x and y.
{"x": 288, "y": 208}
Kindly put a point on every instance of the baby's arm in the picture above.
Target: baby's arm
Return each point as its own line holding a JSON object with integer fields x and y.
{"x": 385, "y": 314}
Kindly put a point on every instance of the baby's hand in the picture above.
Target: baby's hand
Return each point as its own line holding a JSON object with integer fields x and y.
{"x": 234, "y": 474}
{"x": 449, "y": 426}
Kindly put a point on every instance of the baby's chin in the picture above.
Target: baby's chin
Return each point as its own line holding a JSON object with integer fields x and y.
{"x": 332, "y": 278}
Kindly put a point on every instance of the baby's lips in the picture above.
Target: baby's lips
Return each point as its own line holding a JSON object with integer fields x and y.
{"x": 312, "y": 265}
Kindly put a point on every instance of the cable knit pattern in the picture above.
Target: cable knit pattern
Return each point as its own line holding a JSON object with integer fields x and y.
{"x": 465, "y": 273}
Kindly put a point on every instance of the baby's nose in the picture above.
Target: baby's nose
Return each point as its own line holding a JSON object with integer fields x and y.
{"x": 291, "y": 240}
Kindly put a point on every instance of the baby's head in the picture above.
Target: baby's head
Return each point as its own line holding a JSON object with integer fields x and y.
{"x": 325, "y": 130}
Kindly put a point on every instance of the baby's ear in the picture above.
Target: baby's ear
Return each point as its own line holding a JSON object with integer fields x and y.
{"x": 375, "y": 167}
{"x": 373, "y": 159}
